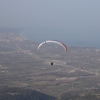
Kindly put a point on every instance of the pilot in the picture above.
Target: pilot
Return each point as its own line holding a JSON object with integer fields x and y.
{"x": 51, "y": 63}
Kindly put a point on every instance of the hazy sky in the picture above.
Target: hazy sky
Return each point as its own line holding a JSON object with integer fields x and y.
{"x": 74, "y": 21}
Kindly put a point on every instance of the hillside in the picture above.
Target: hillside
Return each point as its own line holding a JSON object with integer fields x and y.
{"x": 12, "y": 93}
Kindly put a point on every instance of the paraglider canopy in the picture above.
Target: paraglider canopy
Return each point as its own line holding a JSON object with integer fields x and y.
{"x": 53, "y": 41}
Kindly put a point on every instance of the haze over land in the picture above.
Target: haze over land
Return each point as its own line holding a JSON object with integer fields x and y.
{"x": 26, "y": 73}
{"x": 74, "y": 75}
{"x": 74, "y": 22}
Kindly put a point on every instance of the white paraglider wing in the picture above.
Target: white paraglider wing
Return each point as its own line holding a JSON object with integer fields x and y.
{"x": 53, "y": 41}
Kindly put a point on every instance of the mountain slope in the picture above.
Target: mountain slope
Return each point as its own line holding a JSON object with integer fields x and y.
{"x": 12, "y": 93}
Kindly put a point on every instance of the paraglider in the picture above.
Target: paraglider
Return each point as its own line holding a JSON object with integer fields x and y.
{"x": 53, "y": 41}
